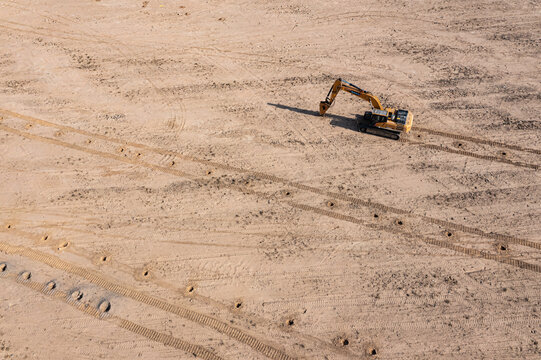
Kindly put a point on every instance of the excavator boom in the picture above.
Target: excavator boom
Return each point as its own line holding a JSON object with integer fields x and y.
{"x": 350, "y": 88}
{"x": 380, "y": 121}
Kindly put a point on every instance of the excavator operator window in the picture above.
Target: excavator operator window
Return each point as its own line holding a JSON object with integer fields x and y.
{"x": 401, "y": 116}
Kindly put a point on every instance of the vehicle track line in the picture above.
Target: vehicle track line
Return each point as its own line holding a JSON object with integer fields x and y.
{"x": 96, "y": 152}
{"x": 431, "y": 131}
{"x": 444, "y": 244}
{"x": 471, "y": 154}
{"x": 149, "y": 45}
{"x": 227, "y": 167}
{"x": 440, "y": 243}
{"x": 476, "y": 140}
{"x": 127, "y": 269}
{"x": 114, "y": 44}
{"x": 50, "y": 35}
{"x": 153, "y": 335}
{"x": 123, "y": 290}
{"x": 261, "y": 175}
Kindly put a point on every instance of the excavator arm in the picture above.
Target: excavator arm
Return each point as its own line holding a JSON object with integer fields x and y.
{"x": 350, "y": 88}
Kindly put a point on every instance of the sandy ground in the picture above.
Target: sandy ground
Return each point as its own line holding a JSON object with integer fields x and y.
{"x": 168, "y": 190}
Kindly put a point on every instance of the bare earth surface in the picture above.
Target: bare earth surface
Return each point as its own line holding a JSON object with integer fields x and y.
{"x": 168, "y": 190}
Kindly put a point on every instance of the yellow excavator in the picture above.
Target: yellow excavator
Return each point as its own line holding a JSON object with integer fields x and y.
{"x": 386, "y": 122}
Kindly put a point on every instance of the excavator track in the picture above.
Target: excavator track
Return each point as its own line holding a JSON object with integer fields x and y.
{"x": 389, "y": 134}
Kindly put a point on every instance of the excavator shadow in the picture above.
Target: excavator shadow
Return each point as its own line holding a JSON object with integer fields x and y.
{"x": 336, "y": 120}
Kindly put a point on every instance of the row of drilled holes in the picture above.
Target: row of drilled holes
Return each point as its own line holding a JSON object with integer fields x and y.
{"x": 104, "y": 306}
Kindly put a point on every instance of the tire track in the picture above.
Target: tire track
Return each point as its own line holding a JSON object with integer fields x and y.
{"x": 137, "y": 329}
{"x": 50, "y": 35}
{"x": 384, "y": 228}
{"x": 391, "y": 299}
{"x": 95, "y": 258}
{"x": 111, "y": 43}
{"x": 262, "y": 84}
{"x": 476, "y": 140}
{"x": 459, "y": 152}
{"x": 97, "y": 152}
{"x": 431, "y": 131}
{"x": 440, "y": 243}
{"x": 127, "y": 269}
{"x": 356, "y": 14}
{"x": 471, "y": 154}
{"x": 273, "y": 178}
{"x": 208, "y": 355}
{"x": 453, "y": 226}
{"x": 145, "y": 45}
{"x": 362, "y": 301}
{"x": 506, "y": 322}
{"x": 123, "y": 290}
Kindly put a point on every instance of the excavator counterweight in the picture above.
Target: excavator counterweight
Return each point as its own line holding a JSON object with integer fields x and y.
{"x": 386, "y": 122}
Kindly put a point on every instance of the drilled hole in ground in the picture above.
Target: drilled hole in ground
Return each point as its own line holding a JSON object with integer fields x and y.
{"x": 372, "y": 352}
{"x": 209, "y": 172}
{"x": 503, "y": 247}
{"x": 288, "y": 193}
{"x": 190, "y": 289}
{"x": 459, "y": 144}
{"x": 330, "y": 204}
{"x": 503, "y": 153}
{"x": 400, "y": 222}
{"x": 138, "y": 155}
{"x": 45, "y": 238}
{"x": 121, "y": 150}
{"x": 89, "y": 141}
{"x": 9, "y": 226}
{"x": 376, "y": 216}
{"x": 104, "y": 306}
{"x": 291, "y": 322}
{"x": 146, "y": 273}
{"x": 449, "y": 234}
{"x": 344, "y": 342}
{"x": 103, "y": 258}
{"x": 238, "y": 304}
{"x": 77, "y": 295}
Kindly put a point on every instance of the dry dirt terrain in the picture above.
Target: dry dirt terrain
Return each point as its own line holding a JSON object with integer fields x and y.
{"x": 168, "y": 190}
